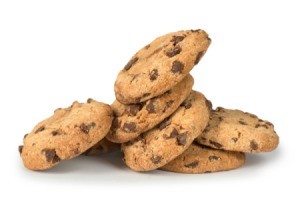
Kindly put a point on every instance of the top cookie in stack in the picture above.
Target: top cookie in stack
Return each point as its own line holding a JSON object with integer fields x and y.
{"x": 155, "y": 82}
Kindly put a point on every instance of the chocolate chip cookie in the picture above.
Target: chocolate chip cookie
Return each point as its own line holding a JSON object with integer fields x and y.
{"x": 202, "y": 159}
{"x": 169, "y": 139}
{"x": 66, "y": 134}
{"x": 236, "y": 130}
{"x": 160, "y": 65}
{"x": 133, "y": 119}
{"x": 102, "y": 147}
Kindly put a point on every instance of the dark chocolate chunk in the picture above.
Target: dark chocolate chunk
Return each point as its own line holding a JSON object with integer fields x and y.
{"x": 220, "y": 119}
{"x": 153, "y": 74}
{"x": 177, "y": 67}
{"x": 42, "y": 128}
{"x": 87, "y": 127}
{"x": 174, "y": 133}
{"x": 116, "y": 123}
{"x": 207, "y": 172}
{"x": 147, "y": 46}
{"x": 234, "y": 139}
{"x": 243, "y": 123}
{"x": 198, "y": 57}
{"x": 253, "y": 145}
{"x": 181, "y": 138}
{"x": 89, "y": 100}
{"x": 173, "y": 51}
{"x": 177, "y": 39}
{"x": 156, "y": 159}
{"x": 131, "y": 63}
{"x": 134, "y": 109}
{"x": 192, "y": 165}
{"x": 20, "y": 149}
{"x": 54, "y": 133}
{"x": 208, "y": 104}
{"x": 213, "y": 157}
{"x": 197, "y": 30}
{"x": 216, "y": 144}
{"x": 168, "y": 105}
{"x": 50, "y": 155}
{"x": 150, "y": 106}
{"x": 25, "y": 136}
{"x": 129, "y": 127}
{"x": 187, "y": 104}
{"x": 164, "y": 124}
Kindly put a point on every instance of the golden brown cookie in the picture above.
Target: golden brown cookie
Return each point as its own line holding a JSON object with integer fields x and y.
{"x": 236, "y": 130}
{"x": 66, "y": 134}
{"x": 172, "y": 137}
{"x": 160, "y": 65}
{"x": 132, "y": 120}
{"x": 202, "y": 159}
{"x": 103, "y": 147}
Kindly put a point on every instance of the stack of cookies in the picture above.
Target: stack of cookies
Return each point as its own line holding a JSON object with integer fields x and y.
{"x": 157, "y": 119}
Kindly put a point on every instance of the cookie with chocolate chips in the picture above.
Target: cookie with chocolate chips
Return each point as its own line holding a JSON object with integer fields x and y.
{"x": 133, "y": 119}
{"x": 66, "y": 134}
{"x": 201, "y": 159}
{"x": 160, "y": 65}
{"x": 103, "y": 147}
{"x": 236, "y": 130}
{"x": 163, "y": 143}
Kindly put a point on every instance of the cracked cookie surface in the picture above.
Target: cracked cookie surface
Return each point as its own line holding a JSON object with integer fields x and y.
{"x": 66, "y": 134}
{"x": 132, "y": 120}
{"x": 201, "y": 159}
{"x": 170, "y": 138}
{"x": 160, "y": 65}
{"x": 236, "y": 130}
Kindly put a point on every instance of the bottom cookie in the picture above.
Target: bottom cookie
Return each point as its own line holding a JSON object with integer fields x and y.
{"x": 202, "y": 159}
{"x": 103, "y": 147}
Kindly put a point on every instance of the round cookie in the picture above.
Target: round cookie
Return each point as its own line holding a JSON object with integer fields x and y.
{"x": 202, "y": 159}
{"x": 132, "y": 120}
{"x": 236, "y": 130}
{"x": 160, "y": 65}
{"x": 66, "y": 134}
{"x": 160, "y": 145}
{"x": 102, "y": 147}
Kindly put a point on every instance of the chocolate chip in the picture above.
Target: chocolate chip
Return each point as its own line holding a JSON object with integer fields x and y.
{"x": 86, "y": 128}
{"x": 207, "y": 172}
{"x": 134, "y": 109}
{"x": 129, "y": 127}
{"x": 89, "y": 100}
{"x": 20, "y": 149}
{"x": 220, "y": 109}
{"x": 192, "y": 165}
{"x": 139, "y": 138}
{"x": 54, "y": 133}
{"x": 253, "y": 145}
{"x": 155, "y": 159}
{"x": 234, "y": 139}
{"x": 168, "y": 105}
{"x": 203, "y": 139}
{"x": 187, "y": 104}
{"x": 181, "y": 138}
{"x": 147, "y": 46}
{"x": 173, "y": 51}
{"x": 261, "y": 125}
{"x": 197, "y": 30}
{"x": 131, "y": 63}
{"x": 177, "y": 39}
{"x": 164, "y": 124}
{"x": 198, "y": 57}
{"x": 153, "y": 74}
{"x": 174, "y": 133}
{"x": 216, "y": 144}
{"x": 251, "y": 115}
{"x": 208, "y": 104}
{"x": 269, "y": 123}
{"x": 50, "y": 155}
{"x": 169, "y": 91}
{"x": 42, "y": 128}
{"x": 243, "y": 123}
{"x": 220, "y": 119}
{"x": 116, "y": 124}
{"x": 150, "y": 107}
{"x": 213, "y": 157}
{"x": 25, "y": 136}
{"x": 239, "y": 134}
{"x": 177, "y": 67}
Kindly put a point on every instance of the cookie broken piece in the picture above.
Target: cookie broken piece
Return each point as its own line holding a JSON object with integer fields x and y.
{"x": 66, "y": 134}
{"x": 160, "y": 65}
{"x": 172, "y": 137}
{"x": 235, "y": 130}
{"x": 201, "y": 159}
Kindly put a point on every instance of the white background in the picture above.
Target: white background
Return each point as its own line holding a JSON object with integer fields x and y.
{"x": 55, "y": 52}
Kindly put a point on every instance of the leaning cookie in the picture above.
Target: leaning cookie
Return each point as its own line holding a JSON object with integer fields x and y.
{"x": 160, "y": 65}
{"x": 102, "y": 147}
{"x": 66, "y": 134}
{"x": 134, "y": 119}
{"x": 236, "y": 130}
{"x": 202, "y": 159}
{"x": 172, "y": 137}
